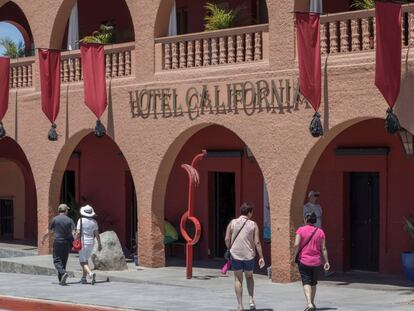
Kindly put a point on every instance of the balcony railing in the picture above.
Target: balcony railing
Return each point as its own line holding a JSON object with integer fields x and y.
{"x": 355, "y": 31}
{"x": 118, "y": 63}
{"x": 213, "y": 48}
{"x": 21, "y": 73}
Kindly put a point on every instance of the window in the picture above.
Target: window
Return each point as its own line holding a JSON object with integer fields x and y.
{"x": 182, "y": 21}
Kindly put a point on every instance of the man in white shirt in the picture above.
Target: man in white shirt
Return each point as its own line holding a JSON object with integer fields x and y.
{"x": 313, "y": 207}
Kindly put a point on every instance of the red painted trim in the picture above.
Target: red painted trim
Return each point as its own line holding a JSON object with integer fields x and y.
{"x": 26, "y": 304}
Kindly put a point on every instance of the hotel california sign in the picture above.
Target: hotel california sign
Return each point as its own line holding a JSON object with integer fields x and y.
{"x": 262, "y": 96}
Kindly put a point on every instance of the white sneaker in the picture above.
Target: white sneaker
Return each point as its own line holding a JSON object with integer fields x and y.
{"x": 92, "y": 275}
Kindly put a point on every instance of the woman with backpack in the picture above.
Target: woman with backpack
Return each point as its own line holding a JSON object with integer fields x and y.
{"x": 309, "y": 247}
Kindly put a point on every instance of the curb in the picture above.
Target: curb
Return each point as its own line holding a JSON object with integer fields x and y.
{"x": 25, "y": 304}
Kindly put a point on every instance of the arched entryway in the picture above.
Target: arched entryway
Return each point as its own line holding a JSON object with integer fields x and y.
{"x": 18, "y": 203}
{"x": 365, "y": 177}
{"x": 91, "y": 14}
{"x": 229, "y": 176}
{"x": 12, "y": 14}
{"x": 94, "y": 171}
{"x": 189, "y": 15}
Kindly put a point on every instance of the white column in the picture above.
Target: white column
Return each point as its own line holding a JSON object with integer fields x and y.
{"x": 172, "y": 26}
{"x": 316, "y": 6}
{"x": 73, "y": 29}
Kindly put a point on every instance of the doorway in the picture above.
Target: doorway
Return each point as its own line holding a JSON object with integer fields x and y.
{"x": 224, "y": 208}
{"x": 6, "y": 218}
{"x": 364, "y": 220}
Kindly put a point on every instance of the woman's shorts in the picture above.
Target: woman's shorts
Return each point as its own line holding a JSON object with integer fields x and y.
{"x": 309, "y": 274}
{"x": 245, "y": 265}
{"x": 85, "y": 253}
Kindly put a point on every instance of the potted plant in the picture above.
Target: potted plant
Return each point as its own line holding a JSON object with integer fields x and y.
{"x": 218, "y": 18}
{"x": 105, "y": 35}
{"x": 407, "y": 258}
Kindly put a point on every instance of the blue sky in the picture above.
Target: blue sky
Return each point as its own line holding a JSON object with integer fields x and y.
{"x": 7, "y": 30}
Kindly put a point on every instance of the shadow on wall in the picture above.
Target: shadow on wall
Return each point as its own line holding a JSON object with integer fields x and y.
{"x": 404, "y": 106}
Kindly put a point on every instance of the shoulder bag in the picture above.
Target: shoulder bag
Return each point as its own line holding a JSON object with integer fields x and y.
{"x": 227, "y": 253}
{"x": 77, "y": 244}
{"x": 304, "y": 245}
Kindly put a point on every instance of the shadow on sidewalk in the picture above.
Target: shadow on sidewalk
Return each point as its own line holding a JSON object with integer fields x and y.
{"x": 369, "y": 278}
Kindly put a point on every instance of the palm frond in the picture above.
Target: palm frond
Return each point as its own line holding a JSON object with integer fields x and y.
{"x": 218, "y": 18}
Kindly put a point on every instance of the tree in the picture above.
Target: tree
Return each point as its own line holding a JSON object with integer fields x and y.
{"x": 11, "y": 48}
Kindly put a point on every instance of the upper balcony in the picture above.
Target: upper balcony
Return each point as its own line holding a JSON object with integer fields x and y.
{"x": 189, "y": 41}
{"x": 353, "y": 32}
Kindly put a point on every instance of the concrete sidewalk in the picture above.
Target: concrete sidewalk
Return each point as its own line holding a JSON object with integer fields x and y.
{"x": 167, "y": 288}
{"x": 202, "y": 294}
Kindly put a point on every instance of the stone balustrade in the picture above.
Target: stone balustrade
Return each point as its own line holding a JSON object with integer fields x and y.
{"x": 212, "y": 48}
{"x": 355, "y": 31}
{"x": 118, "y": 64}
{"x": 21, "y": 73}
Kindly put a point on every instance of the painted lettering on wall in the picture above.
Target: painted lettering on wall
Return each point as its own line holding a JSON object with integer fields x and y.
{"x": 274, "y": 96}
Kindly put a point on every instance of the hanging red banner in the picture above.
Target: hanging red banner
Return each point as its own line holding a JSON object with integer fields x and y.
{"x": 388, "y": 50}
{"x": 4, "y": 90}
{"x": 94, "y": 83}
{"x": 49, "y": 65}
{"x": 309, "y": 57}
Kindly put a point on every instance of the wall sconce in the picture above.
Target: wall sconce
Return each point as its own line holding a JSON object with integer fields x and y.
{"x": 407, "y": 141}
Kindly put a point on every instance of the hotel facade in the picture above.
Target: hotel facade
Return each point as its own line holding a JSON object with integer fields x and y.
{"x": 232, "y": 93}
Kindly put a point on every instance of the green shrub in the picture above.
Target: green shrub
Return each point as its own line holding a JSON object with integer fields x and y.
{"x": 11, "y": 48}
{"x": 105, "y": 35}
{"x": 218, "y": 18}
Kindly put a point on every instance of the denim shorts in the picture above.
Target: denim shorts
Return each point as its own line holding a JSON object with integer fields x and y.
{"x": 245, "y": 265}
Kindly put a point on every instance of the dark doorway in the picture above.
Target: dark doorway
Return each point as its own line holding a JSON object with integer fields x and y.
{"x": 6, "y": 218}
{"x": 364, "y": 207}
{"x": 68, "y": 189}
{"x": 131, "y": 212}
{"x": 225, "y": 208}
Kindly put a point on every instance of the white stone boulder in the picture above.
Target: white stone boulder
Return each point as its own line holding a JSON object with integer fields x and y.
{"x": 111, "y": 257}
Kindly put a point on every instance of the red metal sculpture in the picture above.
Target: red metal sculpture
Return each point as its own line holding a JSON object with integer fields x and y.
{"x": 194, "y": 181}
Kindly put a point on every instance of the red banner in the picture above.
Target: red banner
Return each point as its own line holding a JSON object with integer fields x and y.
{"x": 388, "y": 50}
{"x": 309, "y": 56}
{"x": 49, "y": 65}
{"x": 94, "y": 83}
{"x": 4, "y": 85}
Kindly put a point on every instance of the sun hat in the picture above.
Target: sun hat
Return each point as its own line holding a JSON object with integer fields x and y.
{"x": 313, "y": 193}
{"x": 87, "y": 211}
{"x": 63, "y": 208}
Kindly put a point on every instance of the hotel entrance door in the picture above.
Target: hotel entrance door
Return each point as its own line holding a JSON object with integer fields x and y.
{"x": 225, "y": 208}
{"x": 6, "y": 218}
{"x": 364, "y": 202}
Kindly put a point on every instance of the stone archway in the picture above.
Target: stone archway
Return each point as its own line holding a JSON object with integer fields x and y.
{"x": 359, "y": 148}
{"x": 181, "y": 151}
{"x": 164, "y": 9}
{"x": 12, "y": 13}
{"x": 94, "y": 171}
{"x": 18, "y": 187}
{"x": 120, "y": 17}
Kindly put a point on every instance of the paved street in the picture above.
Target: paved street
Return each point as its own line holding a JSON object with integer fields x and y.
{"x": 205, "y": 293}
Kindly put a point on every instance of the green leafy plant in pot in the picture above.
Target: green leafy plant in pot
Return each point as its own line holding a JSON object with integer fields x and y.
{"x": 407, "y": 258}
{"x": 218, "y": 18}
{"x": 105, "y": 35}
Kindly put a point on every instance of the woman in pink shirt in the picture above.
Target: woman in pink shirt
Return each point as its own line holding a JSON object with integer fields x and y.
{"x": 309, "y": 245}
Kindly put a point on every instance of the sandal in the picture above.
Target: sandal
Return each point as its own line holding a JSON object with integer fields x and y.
{"x": 252, "y": 306}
